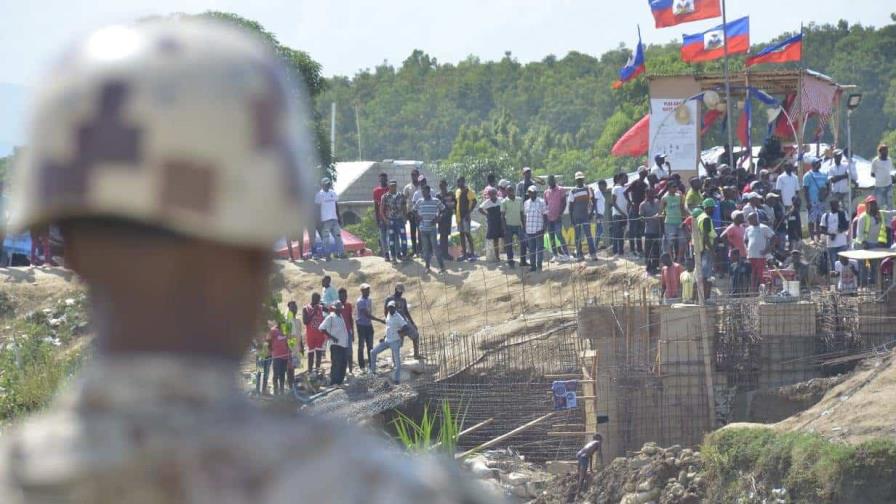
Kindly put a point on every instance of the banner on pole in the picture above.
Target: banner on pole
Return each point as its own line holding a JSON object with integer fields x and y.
{"x": 674, "y": 129}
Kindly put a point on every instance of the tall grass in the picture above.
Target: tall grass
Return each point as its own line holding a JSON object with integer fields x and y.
{"x": 32, "y": 367}
{"x": 434, "y": 431}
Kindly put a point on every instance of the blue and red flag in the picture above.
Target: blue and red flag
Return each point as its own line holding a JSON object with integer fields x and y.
{"x": 710, "y": 45}
{"x": 634, "y": 67}
{"x": 673, "y": 12}
{"x": 782, "y": 52}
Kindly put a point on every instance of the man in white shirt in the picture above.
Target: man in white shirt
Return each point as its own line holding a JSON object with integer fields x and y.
{"x": 661, "y": 168}
{"x": 619, "y": 212}
{"x": 834, "y": 225}
{"x": 881, "y": 170}
{"x": 330, "y": 220}
{"x": 334, "y": 328}
{"x": 840, "y": 174}
{"x": 599, "y": 204}
{"x": 759, "y": 239}
{"x": 396, "y": 325}
{"x": 787, "y": 185}
{"x": 535, "y": 218}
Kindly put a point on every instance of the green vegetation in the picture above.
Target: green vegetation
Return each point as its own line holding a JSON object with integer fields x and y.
{"x": 36, "y": 357}
{"x": 367, "y": 230}
{"x": 745, "y": 465}
{"x": 560, "y": 115}
{"x": 433, "y": 431}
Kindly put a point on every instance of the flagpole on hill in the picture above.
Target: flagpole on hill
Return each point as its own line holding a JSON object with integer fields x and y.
{"x": 727, "y": 87}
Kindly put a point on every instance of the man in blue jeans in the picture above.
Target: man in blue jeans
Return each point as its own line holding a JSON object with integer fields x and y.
{"x": 396, "y": 326}
{"x": 512, "y": 215}
{"x": 580, "y": 198}
{"x": 394, "y": 208}
{"x": 534, "y": 211}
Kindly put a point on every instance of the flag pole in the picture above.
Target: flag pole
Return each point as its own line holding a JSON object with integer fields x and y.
{"x": 727, "y": 87}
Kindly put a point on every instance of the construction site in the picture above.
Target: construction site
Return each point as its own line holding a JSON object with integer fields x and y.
{"x": 641, "y": 372}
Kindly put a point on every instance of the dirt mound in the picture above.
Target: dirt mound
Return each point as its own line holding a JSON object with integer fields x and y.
{"x": 469, "y": 296}
{"x": 860, "y": 408}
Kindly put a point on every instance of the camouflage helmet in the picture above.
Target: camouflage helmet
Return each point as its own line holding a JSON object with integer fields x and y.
{"x": 186, "y": 125}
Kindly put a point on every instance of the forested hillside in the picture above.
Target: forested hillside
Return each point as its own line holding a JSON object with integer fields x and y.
{"x": 560, "y": 114}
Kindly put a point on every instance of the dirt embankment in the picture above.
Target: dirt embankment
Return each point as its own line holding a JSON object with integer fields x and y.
{"x": 861, "y": 408}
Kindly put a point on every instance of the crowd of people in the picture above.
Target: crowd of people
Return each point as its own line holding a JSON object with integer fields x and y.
{"x": 749, "y": 226}
{"x": 331, "y": 320}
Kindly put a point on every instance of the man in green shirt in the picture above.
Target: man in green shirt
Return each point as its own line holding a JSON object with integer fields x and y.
{"x": 672, "y": 208}
{"x": 512, "y": 213}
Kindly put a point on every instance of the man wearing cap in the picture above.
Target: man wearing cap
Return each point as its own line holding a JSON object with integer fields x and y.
{"x": 555, "y": 199}
{"x": 840, "y": 174}
{"x": 401, "y": 304}
{"x": 396, "y": 329}
{"x": 882, "y": 171}
{"x": 580, "y": 198}
{"x": 522, "y": 188}
{"x": 363, "y": 321}
{"x": 330, "y": 219}
{"x": 815, "y": 189}
{"x": 193, "y": 185}
{"x": 759, "y": 240}
{"x": 394, "y": 209}
{"x": 333, "y": 327}
{"x": 661, "y": 168}
{"x": 534, "y": 216}
{"x": 871, "y": 233}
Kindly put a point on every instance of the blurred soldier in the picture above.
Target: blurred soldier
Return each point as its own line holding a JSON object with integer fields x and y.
{"x": 170, "y": 154}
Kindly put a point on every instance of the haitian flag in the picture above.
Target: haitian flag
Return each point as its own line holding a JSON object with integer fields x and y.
{"x": 634, "y": 67}
{"x": 782, "y": 52}
{"x": 673, "y": 12}
{"x": 709, "y": 45}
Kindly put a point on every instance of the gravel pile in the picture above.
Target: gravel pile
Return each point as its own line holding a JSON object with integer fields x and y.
{"x": 656, "y": 475}
{"x": 363, "y": 397}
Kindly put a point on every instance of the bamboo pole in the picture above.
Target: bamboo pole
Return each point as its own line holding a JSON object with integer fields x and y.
{"x": 502, "y": 437}
{"x": 467, "y": 431}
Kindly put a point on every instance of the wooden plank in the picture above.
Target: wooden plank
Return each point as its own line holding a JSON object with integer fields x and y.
{"x": 502, "y": 437}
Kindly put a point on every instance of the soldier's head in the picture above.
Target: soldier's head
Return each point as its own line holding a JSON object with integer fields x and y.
{"x": 169, "y": 153}
{"x": 393, "y": 186}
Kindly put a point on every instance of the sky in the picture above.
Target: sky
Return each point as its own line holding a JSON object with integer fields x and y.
{"x": 349, "y": 35}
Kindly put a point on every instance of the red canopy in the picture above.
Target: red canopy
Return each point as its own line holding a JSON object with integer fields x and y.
{"x": 351, "y": 243}
{"x": 635, "y": 141}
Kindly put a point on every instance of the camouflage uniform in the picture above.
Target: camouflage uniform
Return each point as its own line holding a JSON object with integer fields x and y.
{"x": 189, "y": 127}
{"x": 165, "y": 430}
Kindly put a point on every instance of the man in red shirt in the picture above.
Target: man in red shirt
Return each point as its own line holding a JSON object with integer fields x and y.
{"x": 312, "y": 316}
{"x": 280, "y": 353}
{"x": 670, "y": 279}
{"x": 348, "y": 318}
{"x": 378, "y": 193}
{"x": 555, "y": 199}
